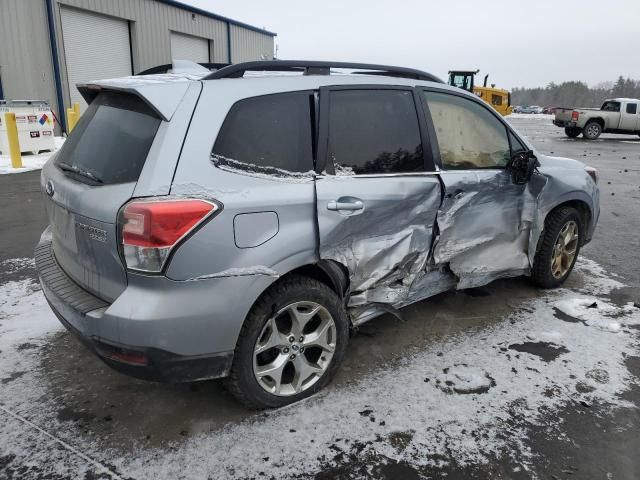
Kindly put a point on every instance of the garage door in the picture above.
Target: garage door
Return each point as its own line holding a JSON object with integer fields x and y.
{"x": 95, "y": 47}
{"x": 187, "y": 47}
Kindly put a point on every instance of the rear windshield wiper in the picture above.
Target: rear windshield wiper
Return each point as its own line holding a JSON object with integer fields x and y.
{"x": 79, "y": 171}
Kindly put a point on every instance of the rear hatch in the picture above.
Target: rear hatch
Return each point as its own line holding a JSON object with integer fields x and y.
{"x": 89, "y": 180}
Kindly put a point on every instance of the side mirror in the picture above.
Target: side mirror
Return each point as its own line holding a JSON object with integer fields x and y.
{"x": 522, "y": 166}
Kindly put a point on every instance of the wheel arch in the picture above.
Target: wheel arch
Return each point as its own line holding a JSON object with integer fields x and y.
{"x": 599, "y": 120}
{"x": 584, "y": 210}
{"x": 329, "y": 272}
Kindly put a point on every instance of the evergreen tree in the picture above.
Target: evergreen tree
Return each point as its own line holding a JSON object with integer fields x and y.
{"x": 619, "y": 87}
{"x": 576, "y": 93}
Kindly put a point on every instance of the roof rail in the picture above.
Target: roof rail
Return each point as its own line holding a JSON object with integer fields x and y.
{"x": 169, "y": 66}
{"x": 313, "y": 67}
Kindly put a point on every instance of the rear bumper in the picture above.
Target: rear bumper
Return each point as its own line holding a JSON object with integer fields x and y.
{"x": 88, "y": 317}
{"x": 562, "y": 123}
{"x": 159, "y": 365}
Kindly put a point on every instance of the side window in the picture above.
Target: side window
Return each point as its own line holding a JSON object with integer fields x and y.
{"x": 269, "y": 131}
{"x": 496, "y": 99}
{"x": 611, "y": 106}
{"x": 632, "y": 108}
{"x": 374, "y": 131}
{"x": 469, "y": 136}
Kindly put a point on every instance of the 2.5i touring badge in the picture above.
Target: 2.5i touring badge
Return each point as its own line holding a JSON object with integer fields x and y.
{"x": 94, "y": 233}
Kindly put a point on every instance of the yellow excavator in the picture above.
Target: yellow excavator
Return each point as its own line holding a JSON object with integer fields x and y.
{"x": 498, "y": 98}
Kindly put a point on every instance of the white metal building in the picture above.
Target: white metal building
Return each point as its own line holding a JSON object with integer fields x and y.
{"x": 47, "y": 46}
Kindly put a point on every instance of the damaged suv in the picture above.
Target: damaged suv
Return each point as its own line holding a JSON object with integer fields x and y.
{"x": 234, "y": 224}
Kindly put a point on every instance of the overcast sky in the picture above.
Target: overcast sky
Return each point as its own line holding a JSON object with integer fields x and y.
{"x": 518, "y": 42}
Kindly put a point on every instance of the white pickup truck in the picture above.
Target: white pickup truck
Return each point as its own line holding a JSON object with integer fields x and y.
{"x": 617, "y": 115}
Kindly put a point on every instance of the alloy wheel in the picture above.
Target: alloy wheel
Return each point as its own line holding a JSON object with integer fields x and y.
{"x": 564, "y": 250}
{"x": 294, "y": 348}
{"x": 593, "y": 130}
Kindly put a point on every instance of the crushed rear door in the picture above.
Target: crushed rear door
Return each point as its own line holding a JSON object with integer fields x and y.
{"x": 378, "y": 199}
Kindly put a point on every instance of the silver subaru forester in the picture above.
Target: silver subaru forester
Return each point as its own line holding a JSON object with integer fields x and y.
{"x": 239, "y": 223}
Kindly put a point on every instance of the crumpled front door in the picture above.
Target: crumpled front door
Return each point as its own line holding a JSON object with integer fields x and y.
{"x": 484, "y": 225}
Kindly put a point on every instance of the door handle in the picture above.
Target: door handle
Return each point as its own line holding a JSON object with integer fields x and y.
{"x": 345, "y": 206}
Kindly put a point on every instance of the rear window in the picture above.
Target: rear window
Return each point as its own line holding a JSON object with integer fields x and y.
{"x": 269, "y": 131}
{"x": 611, "y": 106}
{"x": 111, "y": 141}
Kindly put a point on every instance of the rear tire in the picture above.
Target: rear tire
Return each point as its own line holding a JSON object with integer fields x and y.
{"x": 550, "y": 267}
{"x": 301, "y": 366}
{"x": 592, "y": 130}
{"x": 572, "y": 132}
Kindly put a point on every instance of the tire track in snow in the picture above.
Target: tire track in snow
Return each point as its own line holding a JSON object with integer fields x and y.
{"x": 65, "y": 445}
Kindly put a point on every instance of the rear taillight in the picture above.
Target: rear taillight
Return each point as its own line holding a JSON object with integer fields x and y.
{"x": 152, "y": 228}
{"x": 593, "y": 173}
{"x": 575, "y": 116}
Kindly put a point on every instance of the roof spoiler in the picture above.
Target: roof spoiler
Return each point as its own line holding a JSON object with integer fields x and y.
{"x": 161, "y": 93}
{"x": 162, "y": 98}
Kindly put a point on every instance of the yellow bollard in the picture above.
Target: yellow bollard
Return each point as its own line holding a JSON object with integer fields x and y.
{"x": 12, "y": 135}
{"x": 76, "y": 108}
{"x": 73, "y": 119}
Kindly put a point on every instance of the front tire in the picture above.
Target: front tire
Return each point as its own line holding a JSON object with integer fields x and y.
{"x": 592, "y": 130}
{"x": 558, "y": 248}
{"x": 572, "y": 132}
{"x": 291, "y": 344}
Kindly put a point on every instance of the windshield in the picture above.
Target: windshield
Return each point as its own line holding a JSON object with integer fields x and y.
{"x": 111, "y": 141}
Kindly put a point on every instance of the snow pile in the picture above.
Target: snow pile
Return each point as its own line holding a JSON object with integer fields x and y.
{"x": 592, "y": 313}
{"x": 29, "y": 162}
{"x": 468, "y": 398}
{"x": 462, "y": 378}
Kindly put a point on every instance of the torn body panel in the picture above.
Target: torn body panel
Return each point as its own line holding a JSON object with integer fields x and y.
{"x": 485, "y": 224}
{"x": 380, "y": 229}
{"x": 416, "y": 237}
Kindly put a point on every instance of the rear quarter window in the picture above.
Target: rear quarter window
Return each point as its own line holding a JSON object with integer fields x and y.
{"x": 111, "y": 142}
{"x": 269, "y": 131}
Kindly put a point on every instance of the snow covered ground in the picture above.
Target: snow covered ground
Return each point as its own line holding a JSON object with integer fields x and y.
{"x": 532, "y": 116}
{"x": 467, "y": 398}
{"x": 29, "y": 161}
